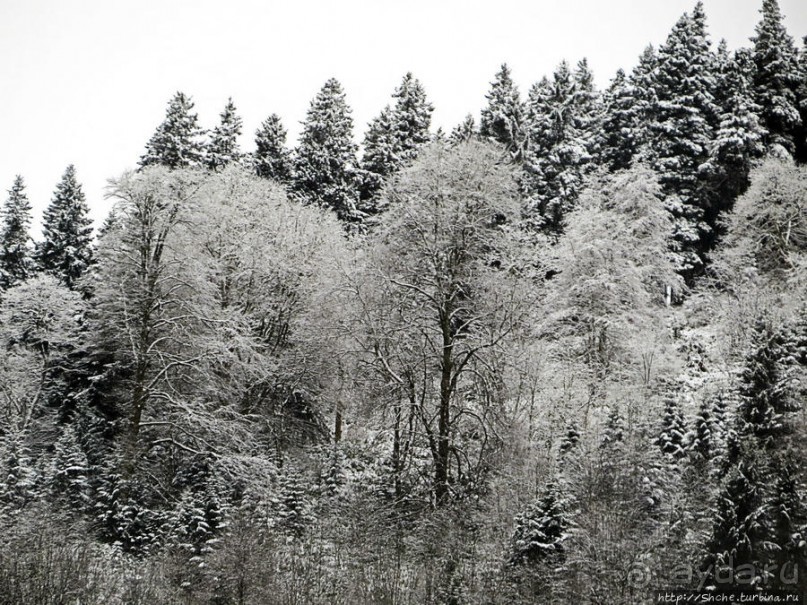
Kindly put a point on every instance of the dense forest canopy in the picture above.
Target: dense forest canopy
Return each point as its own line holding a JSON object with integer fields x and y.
{"x": 558, "y": 357}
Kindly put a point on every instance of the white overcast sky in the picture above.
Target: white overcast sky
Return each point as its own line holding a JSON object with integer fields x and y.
{"x": 87, "y": 81}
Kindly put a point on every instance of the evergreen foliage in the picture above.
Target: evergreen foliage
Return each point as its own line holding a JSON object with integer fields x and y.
{"x": 325, "y": 159}
{"x": 562, "y": 117}
{"x": 776, "y": 78}
{"x": 272, "y": 159}
{"x": 66, "y": 248}
{"x": 703, "y": 443}
{"x": 672, "y": 435}
{"x": 177, "y": 142}
{"x": 15, "y": 251}
{"x": 766, "y": 386}
{"x": 395, "y": 136}
{"x": 686, "y": 116}
{"x": 541, "y": 530}
{"x": 223, "y": 148}
{"x": 738, "y": 140}
{"x": 464, "y": 131}
{"x": 502, "y": 120}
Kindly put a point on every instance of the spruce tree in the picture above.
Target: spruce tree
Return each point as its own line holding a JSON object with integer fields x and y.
{"x": 703, "y": 440}
{"x": 614, "y": 430}
{"x": 739, "y": 526}
{"x": 685, "y": 121}
{"x": 645, "y": 106}
{"x": 619, "y": 138}
{"x": 464, "y": 131}
{"x": 788, "y": 524}
{"x": 68, "y": 478}
{"x": 15, "y": 252}
{"x": 765, "y": 388}
{"x": 394, "y": 138}
{"x": 801, "y": 94}
{"x": 672, "y": 435}
{"x": 562, "y": 119}
{"x": 570, "y": 439}
{"x": 271, "y": 159}
{"x": 776, "y": 77}
{"x": 588, "y": 113}
{"x": 412, "y": 114}
{"x": 177, "y": 141}
{"x": 223, "y": 148}
{"x": 325, "y": 159}
{"x": 381, "y": 156}
{"x": 66, "y": 248}
{"x": 503, "y": 118}
{"x": 737, "y": 142}
{"x": 541, "y": 530}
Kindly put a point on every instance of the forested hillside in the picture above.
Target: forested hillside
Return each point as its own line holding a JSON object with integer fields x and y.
{"x": 557, "y": 355}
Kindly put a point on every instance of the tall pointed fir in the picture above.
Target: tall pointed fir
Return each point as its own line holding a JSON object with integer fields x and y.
{"x": 629, "y": 106}
{"x": 561, "y": 118}
{"x": 394, "y": 138}
{"x": 223, "y": 147}
{"x": 767, "y": 401}
{"x": 412, "y": 114}
{"x": 541, "y": 530}
{"x": 801, "y": 94}
{"x": 271, "y": 159}
{"x": 66, "y": 248}
{"x": 619, "y": 142}
{"x": 381, "y": 154}
{"x": 177, "y": 142}
{"x": 15, "y": 251}
{"x": 503, "y": 118}
{"x": 464, "y": 131}
{"x": 671, "y": 439}
{"x": 738, "y": 140}
{"x": 325, "y": 159}
{"x": 776, "y": 78}
{"x": 686, "y": 117}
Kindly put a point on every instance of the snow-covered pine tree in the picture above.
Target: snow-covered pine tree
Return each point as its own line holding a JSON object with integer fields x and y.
{"x": 19, "y": 478}
{"x": 68, "y": 478}
{"x": 541, "y": 530}
{"x": 671, "y": 439}
{"x": 797, "y": 337}
{"x": 223, "y": 148}
{"x": 464, "y": 131}
{"x": 765, "y": 387}
{"x": 776, "y": 78}
{"x": 588, "y": 109}
{"x": 325, "y": 159}
{"x": 177, "y": 142}
{"x": 381, "y": 154}
{"x": 395, "y": 136}
{"x": 570, "y": 439}
{"x": 16, "y": 262}
{"x": 702, "y": 444}
{"x": 788, "y": 524}
{"x": 738, "y": 140}
{"x": 503, "y": 118}
{"x": 66, "y": 248}
{"x": 614, "y": 430}
{"x": 272, "y": 159}
{"x": 294, "y": 511}
{"x": 643, "y": 81}
{"x": 561, "y": 123}
{"x": 739, "y": 526}
{"x": 683, "y": 130}
{"x": 801, "y": 95}
{"x": 412, "y": 115}
{"x": 619, "y": 138}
